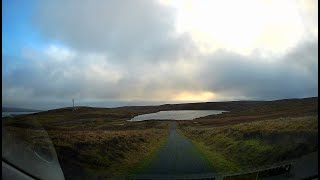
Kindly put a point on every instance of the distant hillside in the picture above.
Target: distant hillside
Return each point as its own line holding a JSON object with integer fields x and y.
{"x": 15, "y": 109}
{"x": 233, "y": 105}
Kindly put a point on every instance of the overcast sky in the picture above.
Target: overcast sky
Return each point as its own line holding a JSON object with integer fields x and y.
{"x": 133, "y": 52}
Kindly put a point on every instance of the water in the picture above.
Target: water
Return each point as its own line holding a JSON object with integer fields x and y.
{"x": 176, "y": 115}
{"x": 4, "y": 114}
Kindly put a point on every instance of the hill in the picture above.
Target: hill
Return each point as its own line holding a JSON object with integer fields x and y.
{"x": 15, "y": 109}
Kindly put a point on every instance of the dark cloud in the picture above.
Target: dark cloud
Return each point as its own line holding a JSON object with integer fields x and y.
{"x": 254, "y": 77}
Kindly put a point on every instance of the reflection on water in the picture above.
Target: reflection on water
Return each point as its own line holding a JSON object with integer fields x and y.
{"x": 176, "y": 115}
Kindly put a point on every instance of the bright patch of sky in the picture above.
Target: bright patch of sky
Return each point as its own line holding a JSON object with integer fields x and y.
{"x": 245, "y": 26}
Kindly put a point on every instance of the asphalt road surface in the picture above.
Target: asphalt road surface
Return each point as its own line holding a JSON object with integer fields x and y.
{"x": 178, "y": 157}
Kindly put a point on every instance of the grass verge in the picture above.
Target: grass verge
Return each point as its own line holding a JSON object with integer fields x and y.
{"x": 245, "y": 146}
{"x": 154, "y": 149}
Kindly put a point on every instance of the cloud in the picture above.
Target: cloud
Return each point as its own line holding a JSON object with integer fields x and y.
{"x": 121, "y": 28}
{"x": 130, "y": 51}
{"x": 221, "y": 76}
{"x": 254, "y": 77}
{"x": 243, "y": 26}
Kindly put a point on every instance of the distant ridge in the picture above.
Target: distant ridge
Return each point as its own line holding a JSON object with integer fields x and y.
{"x": 223, "y": 105}
{"x": 15, "y": 109}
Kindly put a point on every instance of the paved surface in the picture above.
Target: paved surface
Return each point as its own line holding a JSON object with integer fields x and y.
{"x": 178, "y": 156}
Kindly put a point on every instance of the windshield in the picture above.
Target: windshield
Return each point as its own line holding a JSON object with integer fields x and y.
{"x": 160, "y": 89}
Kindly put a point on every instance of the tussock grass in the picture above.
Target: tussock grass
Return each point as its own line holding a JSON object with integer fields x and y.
{"x": 96, "y": 153}
{"x": 249, "y": 145}
{"x": 112, "y": 153}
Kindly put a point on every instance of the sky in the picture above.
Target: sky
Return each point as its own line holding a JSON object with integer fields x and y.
{"x": 122, "y": 52}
